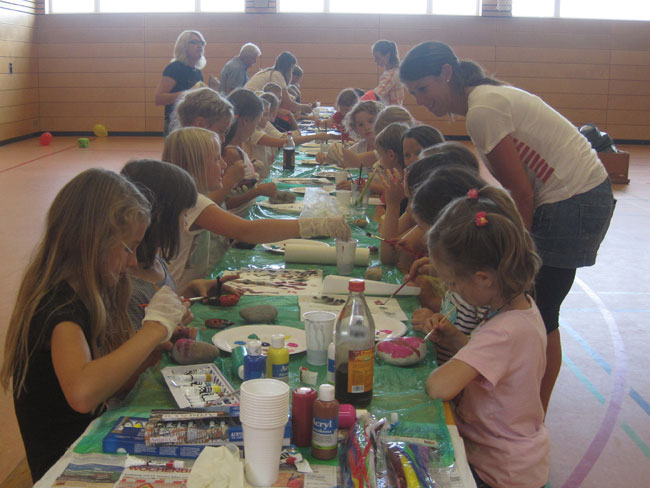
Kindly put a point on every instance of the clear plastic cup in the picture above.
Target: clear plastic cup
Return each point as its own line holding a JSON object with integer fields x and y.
{"x": 345, "y": 253}
{"x": 262, "y": 448}
{"x": 319, "y": 327}
{"x": 343, "y": 198}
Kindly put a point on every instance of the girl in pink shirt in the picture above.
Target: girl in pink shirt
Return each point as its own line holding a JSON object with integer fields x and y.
{"x": 482, "y": 251}
{"x": 390, "y": 89}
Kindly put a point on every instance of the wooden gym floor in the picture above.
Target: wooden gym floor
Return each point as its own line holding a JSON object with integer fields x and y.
{"x": 599, "y": 417}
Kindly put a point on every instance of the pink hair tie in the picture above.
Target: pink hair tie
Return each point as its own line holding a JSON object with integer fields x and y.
{"x": 481, "y": 219}
{"x": 472, "y": 194}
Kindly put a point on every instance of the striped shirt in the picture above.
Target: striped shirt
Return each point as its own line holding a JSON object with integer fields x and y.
{"x": 390, "y": 89}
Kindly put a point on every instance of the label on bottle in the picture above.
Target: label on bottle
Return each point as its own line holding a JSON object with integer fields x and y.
{"x": 280, "y": 372}
{"x": 324, "y": 433}
{"x": 331, "y": 370}
{"x": 361, "y": 366}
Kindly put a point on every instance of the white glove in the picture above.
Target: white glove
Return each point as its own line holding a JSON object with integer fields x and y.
{"x": 335, "y": 227}
{"x": 166, "y": 308}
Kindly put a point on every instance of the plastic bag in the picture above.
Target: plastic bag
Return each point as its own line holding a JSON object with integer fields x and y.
{"x": 318, "y": 203}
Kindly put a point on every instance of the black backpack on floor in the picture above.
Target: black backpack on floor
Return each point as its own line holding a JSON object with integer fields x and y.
{"x": 600, "y": 141}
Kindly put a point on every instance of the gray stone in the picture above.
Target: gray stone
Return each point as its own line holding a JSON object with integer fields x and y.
{"x": 259, "y": 314}
{"x": 283, "y": 197}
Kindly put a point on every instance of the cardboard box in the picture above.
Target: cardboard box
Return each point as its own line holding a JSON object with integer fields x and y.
{"x": 617, "y": 165}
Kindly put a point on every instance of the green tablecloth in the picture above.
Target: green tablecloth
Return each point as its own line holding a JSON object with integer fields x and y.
{"x": 395, "y": 389}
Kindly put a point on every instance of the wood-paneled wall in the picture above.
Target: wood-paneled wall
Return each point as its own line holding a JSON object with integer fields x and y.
{"x": 105, "y": 68}
{"x": 19, "y": 90}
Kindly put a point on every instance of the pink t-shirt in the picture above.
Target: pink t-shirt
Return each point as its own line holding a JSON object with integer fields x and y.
{"x": 500, "y": 414}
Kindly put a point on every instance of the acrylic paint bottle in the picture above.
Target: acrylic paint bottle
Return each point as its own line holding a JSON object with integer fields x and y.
{"x": 325, "y": 430}
{"x": 254, "y": 362}
{"x": 237, "y": 358}
{"x": 302, "y": 415}
{"x": 277, "y": 359}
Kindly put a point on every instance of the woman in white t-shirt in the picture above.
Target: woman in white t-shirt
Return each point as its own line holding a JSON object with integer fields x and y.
{"x": 556, "y": 179}
{"x": 281, "y": 74}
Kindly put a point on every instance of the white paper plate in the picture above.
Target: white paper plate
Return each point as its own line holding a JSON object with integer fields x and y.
{"x": 309, "y": 162}
{"x": 278, "y": 247}
{"x": 228, "y": 339}
{"x": 303, "y": 181}
{"x": 292, "y": 208}
{"x": 388, "y": 327}
{"x": 303, "y": 189}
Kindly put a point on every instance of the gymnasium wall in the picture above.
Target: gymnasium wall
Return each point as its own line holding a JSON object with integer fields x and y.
{"x": 18, "y": 91}
{"x": 105, "y": 68}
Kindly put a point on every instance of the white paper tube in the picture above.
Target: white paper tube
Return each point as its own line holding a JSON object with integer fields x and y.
{"x": 299, "y": 253}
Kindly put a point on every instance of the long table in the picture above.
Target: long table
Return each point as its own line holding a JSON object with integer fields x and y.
{"x": 395, "y": 389}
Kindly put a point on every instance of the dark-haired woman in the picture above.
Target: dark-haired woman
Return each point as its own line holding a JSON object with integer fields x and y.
{"x": 557, "y": 181}
{"x": 280, "y": 73}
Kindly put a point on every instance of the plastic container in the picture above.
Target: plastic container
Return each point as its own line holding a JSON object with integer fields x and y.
{"x": 254, "y": 362}
{"x": 355, "y": 352}
{"x": 289, "y": 155}
{"x": 237, "y": 359}
{"x": 302, "y": 414}
{"x": 277, "y": 359}
{"x": 325, "y": 431}
{"x": 331, "y": 363}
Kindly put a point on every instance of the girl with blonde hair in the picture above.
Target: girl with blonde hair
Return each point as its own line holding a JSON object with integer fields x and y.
{"x": 199, "y": 153}
{"x": 70, "y": 346}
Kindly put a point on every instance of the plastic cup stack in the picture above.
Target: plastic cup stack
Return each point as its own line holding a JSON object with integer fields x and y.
{"x": 264, "y": 413}
{"x": 345, "y": 253}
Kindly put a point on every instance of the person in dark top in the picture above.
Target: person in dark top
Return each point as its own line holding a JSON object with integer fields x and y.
{"x": 183, "y": 73}
{"x": 70, "y": 345}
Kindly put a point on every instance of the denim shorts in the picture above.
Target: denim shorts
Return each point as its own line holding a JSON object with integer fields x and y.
{"x": 568, "y": 233}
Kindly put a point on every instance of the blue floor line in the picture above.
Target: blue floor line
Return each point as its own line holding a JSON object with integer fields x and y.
{"x": 588, "y": 384}
{"x": 585, "y": 345}
{"x": 636, "y": 396}
{"x": 636, "y": 439}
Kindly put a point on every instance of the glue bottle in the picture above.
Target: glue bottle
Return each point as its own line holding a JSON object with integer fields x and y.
{"x": 325, "y": 430}
{"x": 277, "y": 359}
{"x": 237, "y": 358}
{"x": 254, "y": 362}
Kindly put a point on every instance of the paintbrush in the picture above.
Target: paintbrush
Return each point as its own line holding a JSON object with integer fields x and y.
{"x": 190, "y": 300}
{"x": 408, "y": 278}
{"x": 445, "y": 317}
{"x": 366, "y": 187}
{"x": 396, "y": 243}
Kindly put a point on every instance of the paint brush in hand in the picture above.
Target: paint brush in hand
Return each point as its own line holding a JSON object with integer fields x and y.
{"x": 445, "y": 317}
{"x": 408, "y": 278}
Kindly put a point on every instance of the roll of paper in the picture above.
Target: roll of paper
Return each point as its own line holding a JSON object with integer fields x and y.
{"x": 334, "y": 284}
{"x": 300, "y": 253}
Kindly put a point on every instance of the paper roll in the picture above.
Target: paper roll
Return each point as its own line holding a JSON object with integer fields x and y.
{"x": 334, "y": 284}
{"x": 300, "y": 253}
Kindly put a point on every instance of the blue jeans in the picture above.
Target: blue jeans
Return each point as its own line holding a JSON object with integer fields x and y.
{"x": 568, "y": 233}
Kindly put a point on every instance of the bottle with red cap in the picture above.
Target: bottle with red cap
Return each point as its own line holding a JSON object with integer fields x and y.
{"x": 354, "y": 349}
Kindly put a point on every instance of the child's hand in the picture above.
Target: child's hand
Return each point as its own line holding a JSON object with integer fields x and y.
{"x": 322, "y": 136}
{"x": 234, "y": 174}
{"x": 393, "y": 181}
{"x": 344, "y": 185}
{"x": 421, "y": 266}
{"x": 267, "y": 189}
{"x": 228, "y": 289}
{"x": 321, "y": 157}
{"x": 419, "y": 319}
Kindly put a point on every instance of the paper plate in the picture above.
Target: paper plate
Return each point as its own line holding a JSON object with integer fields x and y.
{"x": 292, "y": 208}
{"x": 303, "y": 189}
{"x": 278, "y": 247}
{"x": 303, "y": 181}
{"x": 309, "y": 162}
{"x": 388, "y": 327}
{"x": 228, "y": 339}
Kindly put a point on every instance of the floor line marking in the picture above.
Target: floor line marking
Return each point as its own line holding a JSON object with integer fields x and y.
{"x": 608, "y": 422}
{"x": 587, "y": 347}
{"x": 636, "y": 439}
{"x": 36, "y": 159}
{"x": 636, "y": 396}
{"x": 583, "y": 379}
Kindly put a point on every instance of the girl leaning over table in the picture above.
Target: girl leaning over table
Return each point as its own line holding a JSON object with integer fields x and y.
{"x": 481, "y": 250}
{"x": 70, "y": 346}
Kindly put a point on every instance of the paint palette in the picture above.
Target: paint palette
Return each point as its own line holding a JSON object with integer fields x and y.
{"x": 388, "y": 327}
{"x": 291, "y": 208}
{"x": 295, "y": 339}
{"x": 201, "y": 386}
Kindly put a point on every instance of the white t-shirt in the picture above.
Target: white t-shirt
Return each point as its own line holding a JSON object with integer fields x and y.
{"x": 558, "y": 160}
{"x": 193, "y": 256}
{"x": 261, "y": 78}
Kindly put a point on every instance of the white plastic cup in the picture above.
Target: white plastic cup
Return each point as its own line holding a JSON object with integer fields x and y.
{"x": 265, "y": 400}
{"x": 319, "y": 327}
{"x": 345, "y": 252}
{"x": 343, "y": 198}
{"x": 262, "y": 448}
{"x": 264, "y": 389}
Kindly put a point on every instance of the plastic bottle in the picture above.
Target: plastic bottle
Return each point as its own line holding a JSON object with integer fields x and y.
{"x": 331, "y": 363}
{"x": 289, "y": 156}
{"x": 277, "y": 359}
{"x": 254, "y": 362}
{"x": 302, "y": 415}
{"x": 355, "y": 353}
{"x": 237, "y": 358}
{"x": 325, "y": 431}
